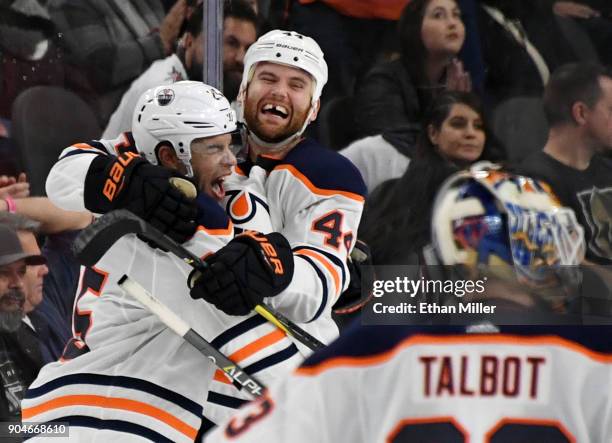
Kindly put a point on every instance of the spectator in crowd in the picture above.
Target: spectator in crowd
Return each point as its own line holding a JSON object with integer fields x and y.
{"x": 380, "y": 157}
{"x": 41, "y": 315}
{"x": 521, "y": 44}
{"x": 20, "y": 357}
{"x": 109, "y": 43}
{"x": 594, "y": 16}
{"x": 352, "y": 34}
{"x": 28, "y": 52}
{"x": 577, "y": 104}
{"x": 239, "y": 32}
{"x": 397, "y": 216}
{"x": 14, "y": 187}
{"x": 187, "y": 63}
{"x": 60, "y": 227}
{"x": 394, "y": 94}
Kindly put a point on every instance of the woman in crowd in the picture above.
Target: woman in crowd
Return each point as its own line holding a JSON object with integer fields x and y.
{"x": 454, "y": 135}
{"x": 395, "y": 94}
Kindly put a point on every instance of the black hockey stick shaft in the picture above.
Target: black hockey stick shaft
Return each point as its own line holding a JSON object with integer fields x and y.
{"x": 97, "y": 238}
{"x": 171, "y": 320}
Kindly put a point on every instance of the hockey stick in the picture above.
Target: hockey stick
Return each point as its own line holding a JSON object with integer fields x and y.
{"x": 94, "y": 241}
{"x": 171, "y": 320}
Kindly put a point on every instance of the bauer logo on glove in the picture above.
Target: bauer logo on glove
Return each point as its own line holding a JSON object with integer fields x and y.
{"x": 240, "y": 275}
{"x": 268, "y": 252}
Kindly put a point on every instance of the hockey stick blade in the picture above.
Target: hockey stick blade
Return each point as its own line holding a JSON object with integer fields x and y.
{"x": 171, "y": 320}
{"x": 125, "y": 220}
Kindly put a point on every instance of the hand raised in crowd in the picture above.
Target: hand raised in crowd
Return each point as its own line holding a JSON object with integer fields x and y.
{"x": 14, "y": 187}
{"x": 457, "y": 78}
{"x": 171, "y": 25}
{"x": 575, "y": 10}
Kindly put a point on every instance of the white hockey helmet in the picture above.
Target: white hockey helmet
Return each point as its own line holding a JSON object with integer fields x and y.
{"x": 486, "y": 217}
{"x": 287, "y": 48}
{"x": 177, "y": 114}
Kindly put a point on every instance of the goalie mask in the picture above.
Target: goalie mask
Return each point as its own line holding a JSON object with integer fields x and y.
{"x": 507, "y": 224}
{"x": 291, "y": 49}
{"x": 177, "y": 114}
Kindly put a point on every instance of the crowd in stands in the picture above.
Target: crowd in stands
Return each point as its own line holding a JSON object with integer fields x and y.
{"x": 418, "y": 89}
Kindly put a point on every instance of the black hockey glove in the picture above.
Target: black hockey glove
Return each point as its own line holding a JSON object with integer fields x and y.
{"x": 359, "y": 291}
{"x": 130, "y": 182}
{"x": 250, "y": 267}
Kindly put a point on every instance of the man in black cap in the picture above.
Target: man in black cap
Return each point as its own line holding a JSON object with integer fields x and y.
{"x": 20, "y": 358}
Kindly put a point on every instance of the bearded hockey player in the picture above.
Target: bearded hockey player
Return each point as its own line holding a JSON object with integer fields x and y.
{"x": 290, "y": 184}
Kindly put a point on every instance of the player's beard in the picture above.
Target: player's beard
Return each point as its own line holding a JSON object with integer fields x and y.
{"x": 275, "y": 135}
{"x": 11, "y": 320}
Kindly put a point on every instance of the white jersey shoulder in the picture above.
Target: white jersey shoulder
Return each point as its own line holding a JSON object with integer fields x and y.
{"x": 66, "y": 180}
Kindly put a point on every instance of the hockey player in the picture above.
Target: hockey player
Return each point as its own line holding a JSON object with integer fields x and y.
{"x": 456, "y": 384}
{"x": 124, "y": 376}
{"x": 290, "y": 184}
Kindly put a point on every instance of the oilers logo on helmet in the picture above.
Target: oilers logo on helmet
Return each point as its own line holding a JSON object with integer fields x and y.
{"x": 165, "y": 97}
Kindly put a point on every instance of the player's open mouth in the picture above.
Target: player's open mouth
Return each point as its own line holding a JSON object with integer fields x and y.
{"x": 277, "y": 110}
{"x": 217, "y": 188}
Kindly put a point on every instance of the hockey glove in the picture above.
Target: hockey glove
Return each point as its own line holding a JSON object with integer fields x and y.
{"x": 130, "y": 182}
{"x": 250, "y": 267}
{"x": 359, "y": 291}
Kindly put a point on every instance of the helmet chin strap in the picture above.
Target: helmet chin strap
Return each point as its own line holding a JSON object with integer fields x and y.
{"x": 279, "y": 146}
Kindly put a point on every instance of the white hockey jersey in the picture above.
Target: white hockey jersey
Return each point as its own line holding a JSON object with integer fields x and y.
{"x": 124, "y": 376}
{"x": 314, "y": 197}
{"x": 402, "y": 384}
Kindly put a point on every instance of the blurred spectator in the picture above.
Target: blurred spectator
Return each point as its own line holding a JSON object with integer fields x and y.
{"x": 239, "y": 32}
{"x": 394, "y": 94}
{"x": 397, "y": 216}
{"x": 380, "y": 157}
{"x": 595, "y": 17}
{"x": 42, "y": 315}
{"x": 28, "y": 57}
{"x": 20, "y": 356}
{"x": 352, "y": 35}
{"x": 28, "y": 53}
{"x": 521, "y": 43}
{"x": 577, "y": 103}
{"x": 109, "y": 43}
{"x": 60, "y": 228}
{"x": 14, "y": 187}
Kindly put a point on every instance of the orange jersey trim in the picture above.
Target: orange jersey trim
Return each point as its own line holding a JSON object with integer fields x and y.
{"x": 323, "y": 260}
{"x": 239, "y": 171}
{"x": 112, "y": 403}
{"x": 83, "y": 146}
{"x": 320, "y": 191}
{"x": 250, "y": 349}
{"x": 415, "y": 340}
{"x": 224, "y": 231}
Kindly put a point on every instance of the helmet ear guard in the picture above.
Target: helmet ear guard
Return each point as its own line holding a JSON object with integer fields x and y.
{"x": 177, "y": 114}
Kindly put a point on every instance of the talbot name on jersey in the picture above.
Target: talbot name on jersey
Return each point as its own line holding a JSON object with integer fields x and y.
{"x": 509, "y": 376}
